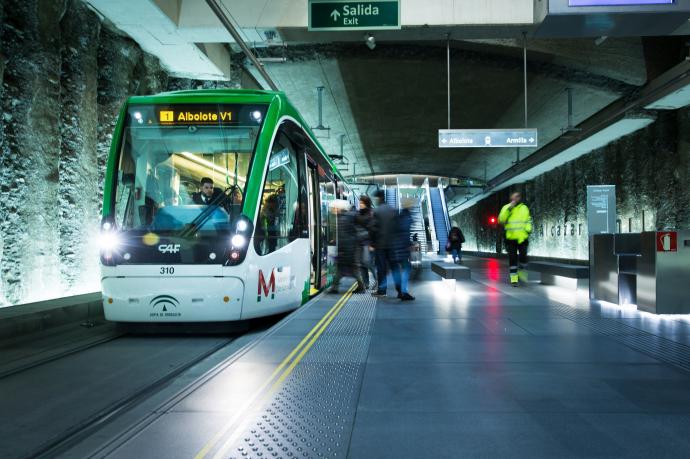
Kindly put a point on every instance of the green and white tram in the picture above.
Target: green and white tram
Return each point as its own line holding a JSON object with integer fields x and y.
{"x": 260, "y": 243}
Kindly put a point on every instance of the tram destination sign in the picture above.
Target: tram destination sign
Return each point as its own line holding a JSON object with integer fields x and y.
{"x": 487, "y": 138}
{"x": 330, "y": 15}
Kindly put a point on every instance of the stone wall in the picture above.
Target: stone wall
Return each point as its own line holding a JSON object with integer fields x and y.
{"x": 651, "y": 171}
{"x": 63, "y": 78}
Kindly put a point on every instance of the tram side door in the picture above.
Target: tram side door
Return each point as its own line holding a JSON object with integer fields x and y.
{"x": 312, "y": 187}
{"x": 327, "y": 231}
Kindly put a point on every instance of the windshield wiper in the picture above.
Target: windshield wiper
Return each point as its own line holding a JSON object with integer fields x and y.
{"x": 192, "y": 227}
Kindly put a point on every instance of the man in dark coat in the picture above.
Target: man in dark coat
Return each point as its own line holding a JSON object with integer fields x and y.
{"x": 401, "y": 252}
{"x": 207, "y": 193}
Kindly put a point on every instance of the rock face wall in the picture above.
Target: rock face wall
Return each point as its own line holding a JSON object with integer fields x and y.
{"x": 63, "y": 78}
{"x": 650, "y": 168}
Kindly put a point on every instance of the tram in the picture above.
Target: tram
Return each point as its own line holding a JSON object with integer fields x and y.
{"x": 217, "y": 207}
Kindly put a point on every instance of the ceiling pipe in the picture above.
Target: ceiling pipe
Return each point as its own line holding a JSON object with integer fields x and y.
{"x": 218, "y": 11}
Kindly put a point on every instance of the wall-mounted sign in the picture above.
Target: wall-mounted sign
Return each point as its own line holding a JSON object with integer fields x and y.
{"x": 329, "y": 15}
{"x": 601, "y": 209}
{"x": 487, "y": 138}
{"x": 667, "y": 241}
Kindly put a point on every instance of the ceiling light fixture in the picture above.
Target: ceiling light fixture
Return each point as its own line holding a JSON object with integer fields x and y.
{"x": 370, "y": 41}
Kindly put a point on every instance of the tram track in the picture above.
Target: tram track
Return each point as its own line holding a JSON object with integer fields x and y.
{"x": 20, "y": 367}
{"x": 85, "y": 428}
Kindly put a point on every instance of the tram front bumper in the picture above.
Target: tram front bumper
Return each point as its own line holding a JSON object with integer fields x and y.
{"x": 172, "y": 299}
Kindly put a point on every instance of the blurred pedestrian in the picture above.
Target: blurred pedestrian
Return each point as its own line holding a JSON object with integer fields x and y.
{"x": 517, "y": 221}
{"x": 401, "y": 248}
{"x": 383, "y": 232}
{"x": 364, "y": 221}
{"x": 454, "y": 244}
{"x": 348, "y": 261}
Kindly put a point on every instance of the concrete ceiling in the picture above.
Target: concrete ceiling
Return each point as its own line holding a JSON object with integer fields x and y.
{"x": 390, "y": 101}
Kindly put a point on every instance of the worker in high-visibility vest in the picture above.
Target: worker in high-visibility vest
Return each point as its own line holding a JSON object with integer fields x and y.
{"x": 517, "y": 222}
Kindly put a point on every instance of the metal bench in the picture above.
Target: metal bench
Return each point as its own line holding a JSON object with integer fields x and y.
{"x": 573, "y": 275}
{"x": 450, "y": 270}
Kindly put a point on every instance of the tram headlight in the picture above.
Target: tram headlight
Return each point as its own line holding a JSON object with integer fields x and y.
{"x": 109, "y": 241}
{"x": 238, "y": 240}
{"x": 242, "y": 226}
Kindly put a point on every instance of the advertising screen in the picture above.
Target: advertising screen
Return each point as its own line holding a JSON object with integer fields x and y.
{"x": 618, "y": 2}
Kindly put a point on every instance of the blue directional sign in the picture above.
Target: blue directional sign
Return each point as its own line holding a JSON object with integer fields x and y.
{"x": 487, "y": 138}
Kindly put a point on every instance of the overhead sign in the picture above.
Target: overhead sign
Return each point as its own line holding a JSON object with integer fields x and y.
{"x": 618, "y": 2}
{"x": 667, "y": 241}
{"x": 331, "y": 15}
{"x": 487, "y": 138}
{"x": 601, "y": 209}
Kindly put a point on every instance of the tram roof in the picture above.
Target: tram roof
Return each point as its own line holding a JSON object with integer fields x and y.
{"x": 211, "y": 95}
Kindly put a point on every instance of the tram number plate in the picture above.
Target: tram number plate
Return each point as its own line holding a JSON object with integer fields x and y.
{"x": 167, "y": 270}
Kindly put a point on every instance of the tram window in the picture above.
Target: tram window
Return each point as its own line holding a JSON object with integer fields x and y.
{"x": 158, "y": 183}
{"x": 278, "y": 222}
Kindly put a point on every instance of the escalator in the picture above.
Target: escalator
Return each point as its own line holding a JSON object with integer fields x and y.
{"x": 439, "y": 214}
{"x": 417, "y": 226}
{"x": 392, "y": 197}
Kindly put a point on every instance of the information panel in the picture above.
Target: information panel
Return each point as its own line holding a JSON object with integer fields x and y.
{"x": 601, "y": 209}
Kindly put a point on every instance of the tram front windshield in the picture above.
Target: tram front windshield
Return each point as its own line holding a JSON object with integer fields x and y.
{"x": 184, "y": 167}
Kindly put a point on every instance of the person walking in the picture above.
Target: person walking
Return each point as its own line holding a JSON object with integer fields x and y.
{"x": 348, "y": 260}
{"x": 454, "y": 245}
{"x": 384, "y": 232}
{"x": 400, "y": 251}
{"x": 364, "y": 230}
{"x": 515, "y": 218}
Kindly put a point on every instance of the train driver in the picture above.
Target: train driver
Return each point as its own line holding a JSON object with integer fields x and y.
{"x": 207, "y": 193}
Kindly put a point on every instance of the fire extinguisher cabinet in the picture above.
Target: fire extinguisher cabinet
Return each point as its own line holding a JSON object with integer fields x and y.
{"x": 663, "y": 272}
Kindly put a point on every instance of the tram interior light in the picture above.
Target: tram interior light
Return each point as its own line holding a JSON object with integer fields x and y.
{"x": 256, "y": 114}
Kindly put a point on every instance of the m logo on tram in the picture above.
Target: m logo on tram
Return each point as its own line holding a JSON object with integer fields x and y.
{"x": 263, "y": 288}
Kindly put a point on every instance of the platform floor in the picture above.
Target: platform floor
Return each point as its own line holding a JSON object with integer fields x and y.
{"x": 485, "y": 370}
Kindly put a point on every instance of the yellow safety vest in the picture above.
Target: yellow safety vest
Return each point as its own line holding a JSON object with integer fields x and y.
{"x": 516, "y": 221}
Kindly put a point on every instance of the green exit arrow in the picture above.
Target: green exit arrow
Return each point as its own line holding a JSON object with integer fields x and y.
{"x": 335, "y": 14}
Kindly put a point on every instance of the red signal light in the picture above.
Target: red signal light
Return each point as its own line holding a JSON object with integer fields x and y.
{"x": 492, "y": 220}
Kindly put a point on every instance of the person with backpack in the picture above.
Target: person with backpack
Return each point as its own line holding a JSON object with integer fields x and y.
{"x": 454, "y": 244}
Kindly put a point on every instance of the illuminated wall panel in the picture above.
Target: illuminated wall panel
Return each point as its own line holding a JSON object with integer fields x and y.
{"x": 650, "y": 168}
